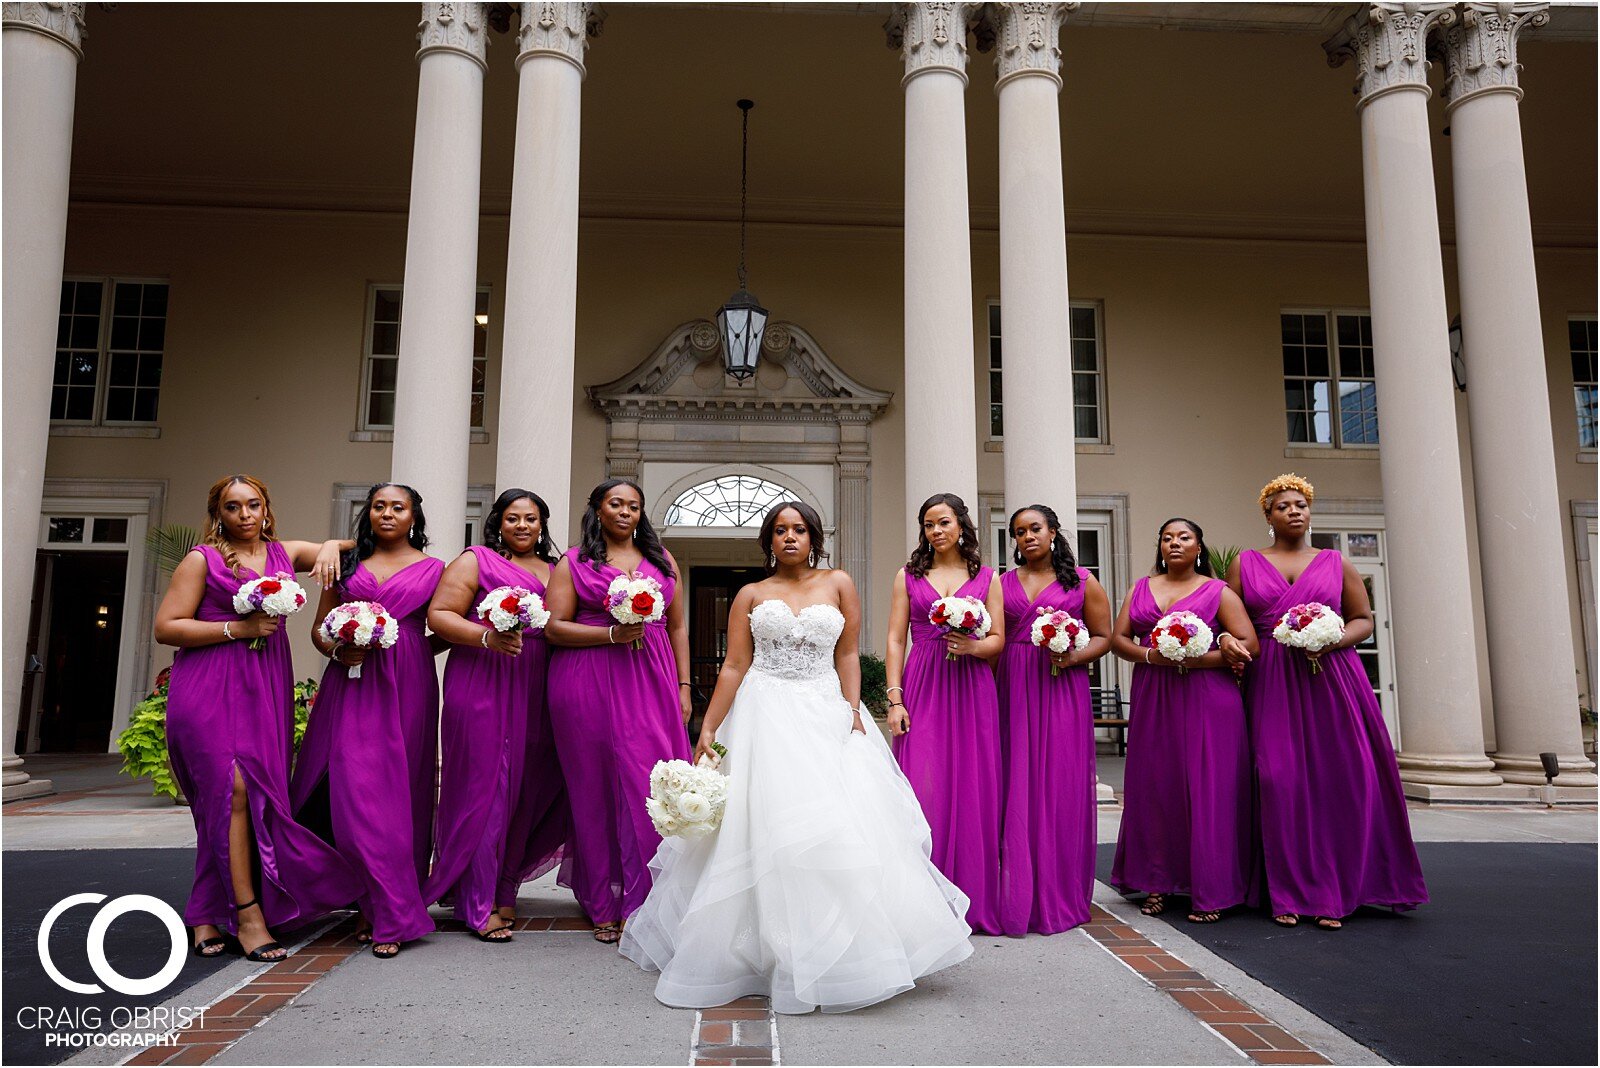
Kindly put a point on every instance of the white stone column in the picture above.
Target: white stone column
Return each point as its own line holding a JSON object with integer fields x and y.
{"x": 42, "y": 46}
{"x": 1035, "y": 315}
{"x": 1534, "y": 676}
{"x": 1441, "y": 728}
{"x": 939, "y": 397}
{"x": 537, "y": 359}
{"x": 433, "y": 391}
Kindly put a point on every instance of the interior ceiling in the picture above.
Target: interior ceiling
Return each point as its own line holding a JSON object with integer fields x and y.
{"x": 313, "y": 105}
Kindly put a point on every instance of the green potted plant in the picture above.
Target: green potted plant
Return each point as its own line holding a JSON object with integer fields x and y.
{"x": 1222, "y": 558}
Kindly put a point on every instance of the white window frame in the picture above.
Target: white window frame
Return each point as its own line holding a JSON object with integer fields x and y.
{"x": 108, "y": 292}
{"x": 1590, "y": 449}
{"x": 990, "y": 370}
{"x": 1331, "y": 317}
{"x": 363, "y": 399}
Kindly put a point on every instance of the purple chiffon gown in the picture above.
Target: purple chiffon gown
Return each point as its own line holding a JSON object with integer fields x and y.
{"x": 951, "y": 755}
{"x": 372, "y": 741}
{"x": 502, "y": 816}
{"x": 1047, "y": 835}
{"x": 230, "y": 706}
{"x": 615, "y": 712}
{"x": 1186, "y": 811}
{"x": 1334, "y": 830}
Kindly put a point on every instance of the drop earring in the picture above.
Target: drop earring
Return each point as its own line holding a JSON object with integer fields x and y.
{"x": 961, "y": 539}
{"x": 1272, "y": 535}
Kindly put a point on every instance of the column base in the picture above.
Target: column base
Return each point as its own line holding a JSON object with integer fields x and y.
{"x": 1463, "y": 770}
{"x": 1576, "y": 771}
{"x": 1508, "y": 794}
{"x": 28, "y": 787}
{"x": 1103, "y": 793}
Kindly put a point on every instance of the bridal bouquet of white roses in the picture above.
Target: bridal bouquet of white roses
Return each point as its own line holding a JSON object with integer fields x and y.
{"x": 635, "y": 599}
{"x": 509, "y": 608}
{"x": 1060, "y": 632}
{"x": 1181, "y": 636}
{"x": 276, "y": 595}
{"x": 960, "y": 615}
{"x": 686, "y": 800}
{"x": 1311, "y": 628}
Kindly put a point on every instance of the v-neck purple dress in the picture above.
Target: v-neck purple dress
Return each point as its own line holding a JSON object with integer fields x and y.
{"x": 502, "y": 815}
{"x": 951, "y": 755}
{"x": 1047, "y": 833}
{"x": 615, "y": 713}
{"x": 373, "y": 741}
{"x": 1186, "y": 811}
{"x": 1334, "y": 830}
{"x": 230, "y": 706}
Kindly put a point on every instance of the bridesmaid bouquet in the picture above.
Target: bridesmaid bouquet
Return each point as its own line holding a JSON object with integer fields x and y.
{"x": 687, "y": 800}
{"x": 509, "y": 608}
{"x": 635, "y": 600}
{"x": 363, "y": 623}
{"x": 1180, "y": 636}
{"x": 960, "y": 615}
{"x": 1059, "y": 632}
{"x": 1310, "y": 627}
{"x": 276, "y": 595}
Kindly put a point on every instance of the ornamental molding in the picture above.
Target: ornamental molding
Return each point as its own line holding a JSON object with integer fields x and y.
{"x": 1029, "y": 40}
{"x": 934, "y": 36}
{"x": 459, "y": 28}
{"x": 1389, "y": 44}
{"x": 1480, "y": 48}
{"x": 683, "y": 380}
{"x": 62, "y": 21}
{"x": 558, "y": 30}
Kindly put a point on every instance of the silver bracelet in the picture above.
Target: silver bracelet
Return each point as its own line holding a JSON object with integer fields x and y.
{"x": 892, "y": 689}
{"x": 227, "y": 629}
{"x": 611, "y": 637}
{"x": 1147, "y": 656}
{"x": 484, "y": 641}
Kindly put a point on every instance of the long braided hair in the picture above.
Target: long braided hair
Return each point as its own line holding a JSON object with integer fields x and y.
{"x": 1062, "y": 561}
{"x": 216, "y": 535}
{"x": 593, "y": 545}
{"x": 922, "y": 556}
{"x": 544, "y": 548}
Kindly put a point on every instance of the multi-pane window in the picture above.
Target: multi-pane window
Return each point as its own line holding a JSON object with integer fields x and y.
{"x": 1330, "y": 395}
{"x": 383, "y": 357}
{"x": 110, "y": 336}
{"x": 1088, "y": 379}
{"x": 1581, "y": 333}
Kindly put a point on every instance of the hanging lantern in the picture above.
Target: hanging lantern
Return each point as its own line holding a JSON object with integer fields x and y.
{"x": 742, "y": 320}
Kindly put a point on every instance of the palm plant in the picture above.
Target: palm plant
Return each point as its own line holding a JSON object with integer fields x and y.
{"x": 169, "y": 544}
{"x": 1223, "y": 558}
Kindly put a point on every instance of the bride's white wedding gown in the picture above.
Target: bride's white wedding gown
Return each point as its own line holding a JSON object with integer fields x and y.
{"x": 817, "y": 889}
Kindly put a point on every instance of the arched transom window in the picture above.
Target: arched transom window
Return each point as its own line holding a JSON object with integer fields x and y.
{"x": 729, "y": 501}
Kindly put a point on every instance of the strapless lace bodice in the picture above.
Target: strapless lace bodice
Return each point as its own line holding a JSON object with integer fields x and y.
{"x": 791, "y": 646}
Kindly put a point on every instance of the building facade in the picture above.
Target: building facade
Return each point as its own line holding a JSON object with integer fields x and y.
{"x": 1127, "y": 260}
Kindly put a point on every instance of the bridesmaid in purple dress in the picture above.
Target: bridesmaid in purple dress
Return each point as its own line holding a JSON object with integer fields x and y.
{"x": 1047, "y": 836}
{"x": 230, "y": 732}
{"x": 1186, "y": 819}
{"x": 953, "y": 759}
{"x": 366, "y": 767}
{"x": 1334, "y": 830}
{"x": 616, "y": 710}
{"x": 502, "y": 815}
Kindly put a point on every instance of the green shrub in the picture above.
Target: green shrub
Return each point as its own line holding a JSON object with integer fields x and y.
{"x": 1222, "y": 558}
{"x": 874, "y": 685}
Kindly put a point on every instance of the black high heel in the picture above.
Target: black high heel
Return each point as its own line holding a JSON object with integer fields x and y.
{"x": 259, "y": 954}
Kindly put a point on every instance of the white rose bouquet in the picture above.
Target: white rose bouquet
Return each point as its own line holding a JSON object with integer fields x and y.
{"x": 1181, "y": 636}
{"x": 1059, "y": 632}
{"x": 687, "y": 800}
{"x": 276, "y": 595}
{"x": 635, "y": 600}
{"x": 364, "y": 623}
{"x": 960, "y": 615}
{"x": 1310, "y": 627}
{"x": 512, "y": 608}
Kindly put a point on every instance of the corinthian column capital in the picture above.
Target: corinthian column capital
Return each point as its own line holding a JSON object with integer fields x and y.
{"x": 451, "y": 27}
{"x": 561, "y": 30}
{"x": 1480, "y": 49}
{"x": 1029, "y": 40}
{"x": 931, "y": 36}
{"x": 1389, "y": 44}
{"x": 63, "y": 21}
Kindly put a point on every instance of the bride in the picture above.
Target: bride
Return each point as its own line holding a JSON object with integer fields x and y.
{"x": 817, "y": 890}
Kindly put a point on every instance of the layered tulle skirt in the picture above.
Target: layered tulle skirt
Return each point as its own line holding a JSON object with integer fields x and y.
{"x": 818, "y": 890}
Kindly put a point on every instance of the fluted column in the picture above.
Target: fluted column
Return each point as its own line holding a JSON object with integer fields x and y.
{"x": 535, "y": 433}
{"x": 42, "y": 46}
{"x": 433, "y": 391}
{"x": 852, "y": 511}
{"x": 940, "y": 400}
{"x": 1441, "y": 729}
{"x": 1034, "y": 311}
{"x": 1513, "y": 447}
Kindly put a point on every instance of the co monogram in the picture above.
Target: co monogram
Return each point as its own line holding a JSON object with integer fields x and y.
{"x": 97, "y": 944}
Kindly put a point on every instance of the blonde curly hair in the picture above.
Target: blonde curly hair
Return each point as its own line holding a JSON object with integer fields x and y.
{"x": 1282, "y": 484}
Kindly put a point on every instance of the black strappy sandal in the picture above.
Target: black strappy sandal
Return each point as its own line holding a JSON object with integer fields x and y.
{"x": 1207, "y": 916}
{"x": 1287, "y": 919}
{"x": 1154, "y": 904}
{"x": 259, "y": 954}
{"x": 608, "y": 934}
{"x": 385, "y": 950}
{"x": 199, "y": 948}
{"x": 1328, "y": 923}
{"x": 490, "y": 934}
